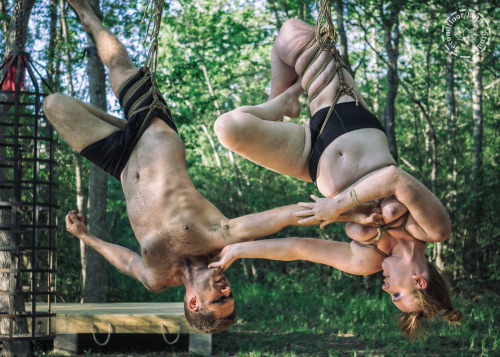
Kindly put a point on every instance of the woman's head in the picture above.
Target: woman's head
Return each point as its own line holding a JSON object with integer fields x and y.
{"x": 403, "y": 278}
{"x": 435, "y": 297}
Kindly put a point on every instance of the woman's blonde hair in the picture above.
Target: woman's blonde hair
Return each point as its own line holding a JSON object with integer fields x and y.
{"x": 433, "y": 299}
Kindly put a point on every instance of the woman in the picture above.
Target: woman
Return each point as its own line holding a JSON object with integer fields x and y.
{"x": 344, "y": 151}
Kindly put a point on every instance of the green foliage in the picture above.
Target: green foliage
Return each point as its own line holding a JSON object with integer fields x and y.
{"x": 227, "y": 46}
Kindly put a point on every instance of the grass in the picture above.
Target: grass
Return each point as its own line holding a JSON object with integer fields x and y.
{"x": 279, "y": 316}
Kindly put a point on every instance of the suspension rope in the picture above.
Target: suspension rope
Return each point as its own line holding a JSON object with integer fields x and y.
{"x": 155, "y": 8}
{"x": 325, "y": 34}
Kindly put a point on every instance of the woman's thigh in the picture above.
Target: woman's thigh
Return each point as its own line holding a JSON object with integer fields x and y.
{"x": 279, "y": 146}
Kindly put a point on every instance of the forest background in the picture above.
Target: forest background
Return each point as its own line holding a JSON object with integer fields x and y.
{"x": 441, "y": 113}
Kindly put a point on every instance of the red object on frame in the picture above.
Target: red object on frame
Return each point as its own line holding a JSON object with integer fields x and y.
{"x": 9, "y": 82}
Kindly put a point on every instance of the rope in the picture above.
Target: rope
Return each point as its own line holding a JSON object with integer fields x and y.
{"x": 325, "y": 34}
{"x": 155, "y": 8}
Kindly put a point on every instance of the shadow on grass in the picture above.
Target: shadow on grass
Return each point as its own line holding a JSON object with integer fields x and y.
{"x": 284, "y": 344}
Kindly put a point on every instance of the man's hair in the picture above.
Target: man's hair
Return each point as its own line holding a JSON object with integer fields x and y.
{"x": 433, "y": 299}
{"x": 204, "y": 320}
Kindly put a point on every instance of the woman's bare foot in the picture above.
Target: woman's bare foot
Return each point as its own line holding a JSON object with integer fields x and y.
{"x": 290, "y": 100}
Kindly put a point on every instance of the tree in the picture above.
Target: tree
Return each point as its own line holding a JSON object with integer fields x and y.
{"x": 16, "y": 39}
{"x": 96, "y": 279}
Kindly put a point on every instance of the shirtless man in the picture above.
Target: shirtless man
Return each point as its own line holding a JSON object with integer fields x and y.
{"x": 178, "y": 230}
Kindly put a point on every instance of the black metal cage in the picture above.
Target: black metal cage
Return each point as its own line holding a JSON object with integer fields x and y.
{"x": 28, "y": 213}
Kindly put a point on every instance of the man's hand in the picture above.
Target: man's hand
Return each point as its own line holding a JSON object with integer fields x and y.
{"x": 227, "y": 256}
{"x": 74, "y": 224}
{"x": 322, "y": 209}
{"x": 366, "y": 214}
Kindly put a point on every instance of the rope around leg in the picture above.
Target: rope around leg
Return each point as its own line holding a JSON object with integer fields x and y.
{"x": 163, "y": 327}
{"x": 107, "y": 339}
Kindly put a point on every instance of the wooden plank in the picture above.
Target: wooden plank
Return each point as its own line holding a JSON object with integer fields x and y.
{"x": 124, "y": 317}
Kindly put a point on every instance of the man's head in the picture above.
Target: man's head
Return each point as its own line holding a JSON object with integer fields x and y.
{"x": 209, "y": 303}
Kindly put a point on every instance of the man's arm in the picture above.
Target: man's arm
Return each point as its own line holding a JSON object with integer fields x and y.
{"x": 122, "y": 258}
{"x": 433, "y": 223}
{"x": 336, "y": 254}
{"x": 257, "y": 225}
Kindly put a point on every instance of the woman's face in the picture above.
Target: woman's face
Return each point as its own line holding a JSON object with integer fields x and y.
{"x": 401, "y": 284}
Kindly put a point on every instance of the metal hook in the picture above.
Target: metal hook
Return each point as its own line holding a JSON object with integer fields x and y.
{"x": 107, "y": 339}
{"x": 163, "y": 327}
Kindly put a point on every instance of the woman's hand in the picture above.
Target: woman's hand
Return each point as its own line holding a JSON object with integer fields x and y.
{"x": 74, "y": 224}
{"x": 322, "y": 209}
{"x": 227, "y": 256}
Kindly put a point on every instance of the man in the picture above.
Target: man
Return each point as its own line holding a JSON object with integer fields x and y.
{"x": 179, "y": 231}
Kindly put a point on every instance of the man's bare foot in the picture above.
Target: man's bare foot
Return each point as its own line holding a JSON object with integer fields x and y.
{"x": 290, "y": 99}
{"x": 84, "y": 11}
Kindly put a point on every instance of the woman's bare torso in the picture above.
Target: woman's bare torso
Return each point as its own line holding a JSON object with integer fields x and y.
{"x": 354, "y": 153}
{"x": 392, "y": 211}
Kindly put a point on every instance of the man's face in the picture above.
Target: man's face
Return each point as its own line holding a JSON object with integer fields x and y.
{"x": 215, "y": 292}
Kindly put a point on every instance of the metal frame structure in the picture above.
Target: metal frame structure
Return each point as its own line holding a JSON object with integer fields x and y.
{"x": 28, "y": 213}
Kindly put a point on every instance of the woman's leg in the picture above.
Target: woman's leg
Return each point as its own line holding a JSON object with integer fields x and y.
{"x": 294, "y": 34}
{"x": 257, "y": 133}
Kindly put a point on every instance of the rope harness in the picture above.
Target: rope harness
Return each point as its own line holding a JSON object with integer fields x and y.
{"x": 326, "y": 38}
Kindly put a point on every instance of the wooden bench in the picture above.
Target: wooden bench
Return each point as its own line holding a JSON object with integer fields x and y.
{"x": 116, "y": 318}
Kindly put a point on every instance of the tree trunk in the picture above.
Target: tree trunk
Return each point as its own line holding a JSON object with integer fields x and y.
{"x": 81, "y": 208}
{"x": 477, "y": 160}
{"x": 3, "y": 13}
{"x": 69, "y": 68}
{"x": 450, "y": 121}
{"x": 51, "y": 53}
{"x": 212, "y": 144}
{"x": 276, "y": 13}
{"x": 376, "y": 85}
{"x": 96, "y": 278}
{"x": 339, "y": 9}
{"x": 15, "y": 41}
{"x": 391, "y": 43}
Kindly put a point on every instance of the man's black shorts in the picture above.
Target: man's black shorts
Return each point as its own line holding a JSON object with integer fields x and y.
{"x": 136, "y": 96}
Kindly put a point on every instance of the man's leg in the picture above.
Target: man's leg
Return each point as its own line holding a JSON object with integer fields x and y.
{"x": 78, "y": 123}
{"x": 257, "y": 134}
{"x": 112, "y": 53}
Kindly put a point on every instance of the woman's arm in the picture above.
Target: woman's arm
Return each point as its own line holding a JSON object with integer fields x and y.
{"x": 336, "y": 254}
{"x": 433, "y": 223}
